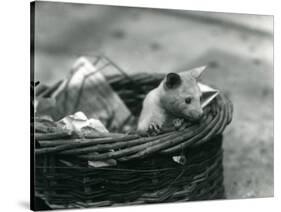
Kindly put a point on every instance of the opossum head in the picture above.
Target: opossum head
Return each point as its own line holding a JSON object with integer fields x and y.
{"x": 180, "y": 94}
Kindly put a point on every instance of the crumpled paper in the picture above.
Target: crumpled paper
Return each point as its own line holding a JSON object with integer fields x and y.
{"x": 86, "y": 90}
{"x": 79, "y": 120}
{"x": 77, "y": 123}
{"x": 105, "y": 163}
{"x": 208, "y": 94}
{"x": 181, "y": 159}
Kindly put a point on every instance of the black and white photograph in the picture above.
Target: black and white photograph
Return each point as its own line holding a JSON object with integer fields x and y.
{"x": 138, "y": 105}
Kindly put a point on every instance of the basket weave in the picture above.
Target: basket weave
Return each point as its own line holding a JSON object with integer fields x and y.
{"x": 145, "y": 171}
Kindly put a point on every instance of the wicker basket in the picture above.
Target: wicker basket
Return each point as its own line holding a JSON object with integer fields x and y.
{"x": 145, "y": 171}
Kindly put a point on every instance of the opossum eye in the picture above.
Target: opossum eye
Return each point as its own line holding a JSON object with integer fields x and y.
{"x": 188, "y": 100}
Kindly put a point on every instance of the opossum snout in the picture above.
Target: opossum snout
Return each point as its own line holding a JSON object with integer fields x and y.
{"x": 197, "y": 115}
{"x": 194, "y": 115}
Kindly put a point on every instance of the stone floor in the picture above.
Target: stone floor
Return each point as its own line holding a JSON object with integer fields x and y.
{"x": 240, "y": 58}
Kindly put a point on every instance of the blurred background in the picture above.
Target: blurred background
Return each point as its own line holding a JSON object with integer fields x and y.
{"x": 237, "y": 47}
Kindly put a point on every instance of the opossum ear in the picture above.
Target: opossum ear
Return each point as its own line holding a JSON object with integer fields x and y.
{"x": 196, "y": 72}
{"x": 173, "y": 80}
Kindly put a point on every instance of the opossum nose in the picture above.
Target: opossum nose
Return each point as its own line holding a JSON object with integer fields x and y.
{"x": 197, "y": 115}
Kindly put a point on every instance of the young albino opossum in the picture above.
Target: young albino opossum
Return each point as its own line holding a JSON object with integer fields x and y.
{"x": 175, "y": 99}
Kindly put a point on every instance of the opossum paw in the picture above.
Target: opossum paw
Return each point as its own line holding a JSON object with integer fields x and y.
{"x": 154, "y": 129}
{"x": 178, "y": 123}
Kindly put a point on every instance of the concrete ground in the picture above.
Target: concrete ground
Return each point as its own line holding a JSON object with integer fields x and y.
{"x": 239, "y": 53}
